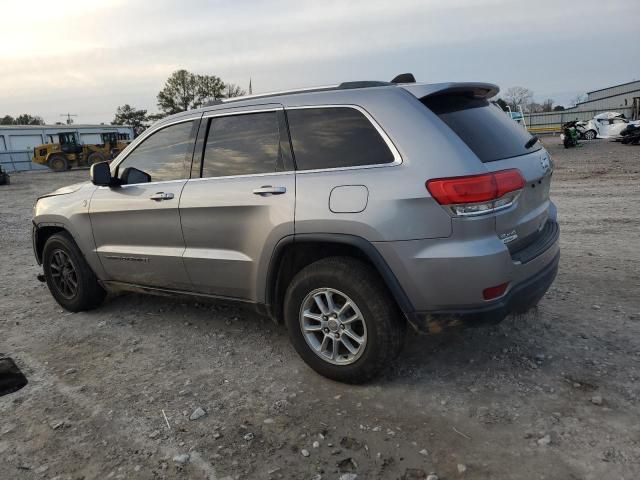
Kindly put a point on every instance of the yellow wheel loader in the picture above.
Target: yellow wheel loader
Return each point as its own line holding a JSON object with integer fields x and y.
{"x": 68, "y": 152}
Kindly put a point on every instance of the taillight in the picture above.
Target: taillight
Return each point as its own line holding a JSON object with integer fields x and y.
{"x": 477, "y": 194}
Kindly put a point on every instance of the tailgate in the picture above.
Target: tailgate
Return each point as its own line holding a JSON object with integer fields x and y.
{"x": 530, "y": 212}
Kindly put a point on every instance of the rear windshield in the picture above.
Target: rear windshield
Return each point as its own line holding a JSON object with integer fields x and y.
{"x": 485, "y": 128}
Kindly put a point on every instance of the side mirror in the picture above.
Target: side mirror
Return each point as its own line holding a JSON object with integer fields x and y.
{"x": 133, "y": 175}
{"x": 100, "y": 174}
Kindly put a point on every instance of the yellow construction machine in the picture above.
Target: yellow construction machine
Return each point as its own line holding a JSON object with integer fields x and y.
{"x": 68, "y": 152}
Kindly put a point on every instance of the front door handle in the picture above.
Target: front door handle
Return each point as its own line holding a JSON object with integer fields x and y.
{"x": 266, "y": 190}
{"x": 161, "y": 196}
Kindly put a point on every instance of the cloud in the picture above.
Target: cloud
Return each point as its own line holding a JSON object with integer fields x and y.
{"x": 114, "y": 52}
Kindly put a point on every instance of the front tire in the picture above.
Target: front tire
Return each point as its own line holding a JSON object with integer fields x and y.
{"x": 58, "y": 163}
{"x": 590, "y": 135}
{"x": 69, "y": 278}
{"x": 342, "y": 320}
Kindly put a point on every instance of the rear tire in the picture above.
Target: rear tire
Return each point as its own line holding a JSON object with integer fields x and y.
{"x": 58, "y": 163}
{"x": 379, "y": 324}
{"x": 69, "y": 278}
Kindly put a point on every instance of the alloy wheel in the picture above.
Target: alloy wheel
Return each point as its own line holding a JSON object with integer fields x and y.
{"x": 333, "y": 326}
{"x": 64, "y": 274}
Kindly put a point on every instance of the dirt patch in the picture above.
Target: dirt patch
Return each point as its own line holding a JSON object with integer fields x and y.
{"x": 552, "y": 394}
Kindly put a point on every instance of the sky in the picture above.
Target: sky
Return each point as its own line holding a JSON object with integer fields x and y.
{"x": 87, "y": 57}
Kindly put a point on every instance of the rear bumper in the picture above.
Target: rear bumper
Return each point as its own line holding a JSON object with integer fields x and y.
{"x": 522, "y": 297}
{"x": 444, "y": 279}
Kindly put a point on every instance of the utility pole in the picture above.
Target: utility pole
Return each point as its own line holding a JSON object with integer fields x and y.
{"x": 250, "y": 89}
{"x": 69, "y": 115}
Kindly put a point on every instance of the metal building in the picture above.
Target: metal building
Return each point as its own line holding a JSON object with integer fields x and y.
{"x": 17, "y": 141}
{"x": 623, "y": 96}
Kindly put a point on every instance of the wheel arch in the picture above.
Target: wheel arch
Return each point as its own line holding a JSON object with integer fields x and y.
{"x": 295, "y": 252}
{"x": 42, "y": 233}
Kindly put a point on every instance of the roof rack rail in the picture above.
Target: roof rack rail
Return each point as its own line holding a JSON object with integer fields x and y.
{"x": 342, "y": 86}
{"x": 363, "y": 84}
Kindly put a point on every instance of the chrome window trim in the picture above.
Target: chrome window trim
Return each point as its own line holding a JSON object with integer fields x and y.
{"x": 229, "y": 112}
{"x": 248, "y": 175}
{"x": 397, "y": 158}
{"x": 184, "y": 180}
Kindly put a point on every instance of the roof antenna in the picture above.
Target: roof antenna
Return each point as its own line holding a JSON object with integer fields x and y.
{"x": 404, "y": 78}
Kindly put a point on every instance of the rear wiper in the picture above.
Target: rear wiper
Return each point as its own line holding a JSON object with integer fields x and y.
{"x": 531, "y": 142}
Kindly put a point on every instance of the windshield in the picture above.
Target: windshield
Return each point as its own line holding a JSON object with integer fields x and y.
{"x": 485, "y": 128}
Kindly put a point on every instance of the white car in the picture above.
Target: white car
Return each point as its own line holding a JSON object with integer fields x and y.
{"x": 605, "y": 125}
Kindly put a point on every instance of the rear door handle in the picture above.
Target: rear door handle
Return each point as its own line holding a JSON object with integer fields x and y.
{"x": 266, "y": 190}
{"x": 161, "y": 196}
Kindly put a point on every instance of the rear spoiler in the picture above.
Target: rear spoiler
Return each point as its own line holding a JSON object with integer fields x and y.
{"x": 474, "y": 89}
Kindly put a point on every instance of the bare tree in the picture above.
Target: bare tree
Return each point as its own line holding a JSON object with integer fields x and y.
{"x": 518, "y": 97}
{"x": 581, "y": 97}
{"x": 547, "y": 105}
{"x": 534, "y": 107}
{"x": 232, "y": 90}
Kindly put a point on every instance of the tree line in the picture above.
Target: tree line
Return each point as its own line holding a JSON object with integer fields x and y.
{"x": 24, "y": 119}
{"x": 182, "y": 91}
{"x": 516, "y": 97}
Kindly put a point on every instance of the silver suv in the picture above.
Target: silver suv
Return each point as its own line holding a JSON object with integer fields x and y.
{"x": 348, "y": 212}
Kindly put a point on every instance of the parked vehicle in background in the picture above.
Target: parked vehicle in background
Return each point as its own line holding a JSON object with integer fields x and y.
{"x": 583, "y": 130}
{"x": 631, "y": 134}
{"x": 347, "y": 212}
{"x": 68, "y": 152}
{"x": 606, "y": 125}
{"x": 570, "y": 134}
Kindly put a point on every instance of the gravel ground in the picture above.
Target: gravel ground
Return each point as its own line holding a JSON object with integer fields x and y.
{"x": 553, "y": 394}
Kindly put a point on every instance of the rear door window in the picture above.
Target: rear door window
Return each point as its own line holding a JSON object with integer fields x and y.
{"x": 333, "y": 137}
{"x": 485, "y": 128}
{"x": 246, "y": 144}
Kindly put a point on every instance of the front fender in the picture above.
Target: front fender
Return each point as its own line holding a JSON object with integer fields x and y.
{"x": 68, "y": 212}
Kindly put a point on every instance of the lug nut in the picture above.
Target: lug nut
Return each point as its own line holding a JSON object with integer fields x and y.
{"x": 326, "y": 330}
{"x": 342, "y": 327}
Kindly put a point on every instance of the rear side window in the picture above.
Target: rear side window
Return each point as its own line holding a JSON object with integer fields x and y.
{"x": 330, "y": 137}
{"x": 485, "y": 128}
{"x": 242, "y": 145}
